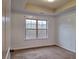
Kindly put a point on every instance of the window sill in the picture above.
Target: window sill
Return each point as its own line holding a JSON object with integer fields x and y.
{"x": 37, "y": 39}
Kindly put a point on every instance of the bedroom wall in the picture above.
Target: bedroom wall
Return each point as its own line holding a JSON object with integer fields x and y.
{"x": 62, "y": 31}
{"x": 66, "y": 30}
{"x": 18, "y": 32}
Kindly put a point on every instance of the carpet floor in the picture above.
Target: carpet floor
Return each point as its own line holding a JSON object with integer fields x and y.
{"x": 53, "y": 52}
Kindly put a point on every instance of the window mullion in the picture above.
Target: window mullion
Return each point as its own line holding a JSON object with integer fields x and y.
{"x": 46, "y": 28}
{"x": 36, "y": 28}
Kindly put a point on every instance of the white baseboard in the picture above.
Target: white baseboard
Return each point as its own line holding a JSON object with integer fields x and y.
{"x": 67, "y": 49}
{"x": 32, "y": 47}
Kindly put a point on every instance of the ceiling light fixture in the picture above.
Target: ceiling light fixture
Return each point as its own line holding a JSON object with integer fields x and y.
{"x": 51, "y": 0}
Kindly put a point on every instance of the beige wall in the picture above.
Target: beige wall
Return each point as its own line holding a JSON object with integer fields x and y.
{"x": 66, "y": 30}
{"x": 18, "y": 32}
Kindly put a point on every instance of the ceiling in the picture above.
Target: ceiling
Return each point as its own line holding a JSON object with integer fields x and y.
{"x": 45, "y": 3}
{"x": 40, "y": 6}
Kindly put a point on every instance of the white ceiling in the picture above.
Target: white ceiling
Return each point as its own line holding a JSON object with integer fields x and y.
{"x": 21, "y": 4}
{"x": 45, "y": 3}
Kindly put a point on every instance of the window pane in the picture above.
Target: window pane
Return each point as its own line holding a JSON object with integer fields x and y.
{"x": 42, "y": 24}
{"x": 42, "y": 34}
{"x": 30, "y": 34}
{"x": 30, "y": 24}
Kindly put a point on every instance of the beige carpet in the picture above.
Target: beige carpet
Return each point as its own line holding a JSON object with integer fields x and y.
{"x": 53, "y": 52}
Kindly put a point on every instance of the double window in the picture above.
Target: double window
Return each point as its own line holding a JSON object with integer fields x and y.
{"x": 36, "y": 29}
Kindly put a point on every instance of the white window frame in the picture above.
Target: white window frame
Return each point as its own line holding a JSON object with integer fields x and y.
{"x": 37, "y": 29}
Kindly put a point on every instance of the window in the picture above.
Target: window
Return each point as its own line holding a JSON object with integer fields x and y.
{"x": 36, "y": 29}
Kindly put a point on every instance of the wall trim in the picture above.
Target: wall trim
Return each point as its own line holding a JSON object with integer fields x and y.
{"x": 66, "y": 49}
{"x": 7, "y": 54}
{"x": 12, "y": 50}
